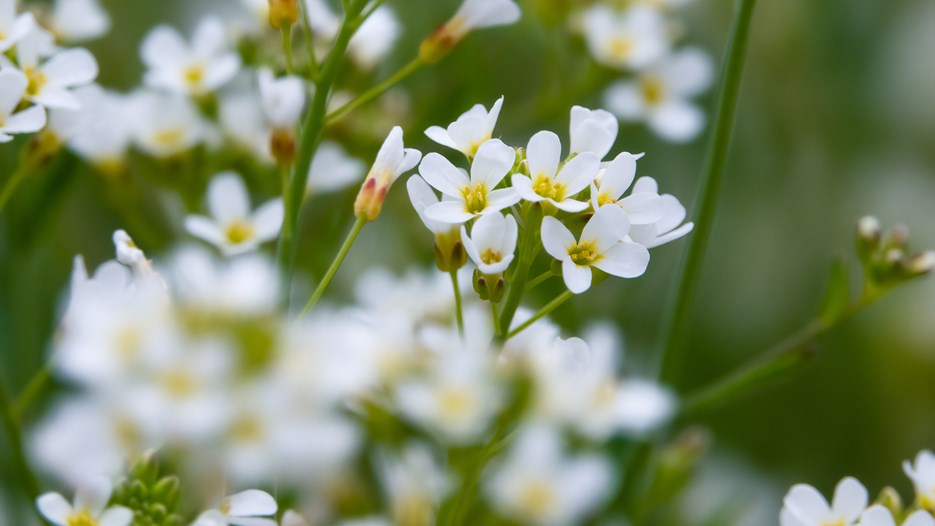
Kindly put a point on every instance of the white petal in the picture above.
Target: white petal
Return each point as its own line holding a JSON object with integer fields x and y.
{"x": 72, "y": 67}
{"x": 27, "y": 121}
{"x": 12, "y": 86}
{"x": 577, "y": 279}
{"x": 606, "y": 227}
{"x": 251, "y": 503}
{"x": 228, "y": 198}
{"x": 209, "y": 38}
{"x": 619, "y": 175}
{"x": 646, "y": 184}
{"x": 93, "y": 495}
{"x": 251, "y": 521}
{"x": 624, "y": 260}
{"x": 54, "y": 507}
{"x": 678, "y": 233}
{"x": 643, "y": 208}
{"x": 440, "y": 135}
{"x": 677, "y": 121}
{"x": 442, "y": 175}
{"x": 220, "y": 71}
{"x": 164, "y": 47}
{"x": 579, "y": 172}
{"x": 689, "y": 72}
{"x": 204, "y": 228}
{"x": 850, "y": 499}
{"x": 877, "y": 516}
{"x": 543, "y": 154}
{"x": 452, "y": 212}
{"x": 625, "y": 101}
{"x": 919, "y": 518}
{"x": 411, "y": 158}
{"x": 806, "y": 503}
{"x": 556, "y": 238}
{"x": 502, "y": 198}
{"x": 469, "y": 246}
{"x": 523, "y": 187}
{"x": 492, "y": 163}
{"x": 267, "y": 220}
{"x": 786, "y": 518}
{"x": 116, "y": 516}
{"x": 57, "y": 98}
{"x": 570, "y": 205}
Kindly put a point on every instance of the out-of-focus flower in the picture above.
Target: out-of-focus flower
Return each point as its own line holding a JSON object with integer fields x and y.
{"x": 244, "y": 122}
{"x": 592, "y": 131}
{"x": 922, "y": 474}
{"x": 333, "y": 169}
{"x": 472, "y": 129}
{"x": 805, "y": 506}
{"x": 472, "y": 15}
{"x": 79, "y": 20}
{"x": 392, "y": 160}
{"x": 600, "y": 246}
{"x": 282, "y": 98}
{"x": 197, "y": 68}
{"x": 879, "y": 516}
{"x": 414, "y": 482}
{"x": 30, "y": 120}
{"x": 670, "y": 225}
{"x": 467, "y": 198}
{"x": 52, "y": 79}
{"x": 539, "y": 484}
{"x": 232, "y": 226}
{"x": 90, "y": 507}
{"x": 630, "y": 39}
{"x": 13, "y": 27}
{"x": 491, "y": 243}
{"x": 166, "y": 124}
{"x": 375, "y": 38}
{"x": 661, "y": 95}
{"x": 98, "y": 132}
{"x": 551, "y": 181}
{"x": 247, "y": 508}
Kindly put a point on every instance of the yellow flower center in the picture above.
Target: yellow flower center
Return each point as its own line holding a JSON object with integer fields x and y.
{"x": 544, "y": 185}
{"x": 584, "y": 254}
{"x": 621, "y": 47}
{"x": 179, "y": 383}
{"x": 491, "y": 256}
{"x": 237, "y": 232}
{"x": 454, "y": 402}
{"x": 248, "y": 429}
{"x": 169, "y": 136}
{"x": 82, "y": 518}
{"x": 835, "y": 522}
{"x": 36, "y": 80}
{"x": 604, "y": 198}
{"x": 475, "y": 198}
{"x": 653, "y": 89}
{"x": 128, "y": 342}
{"x": 537, "y": 499}
{"x": 194, "y": 75}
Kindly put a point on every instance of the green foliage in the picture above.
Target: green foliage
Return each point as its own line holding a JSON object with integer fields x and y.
{"x": 153, "y": 497}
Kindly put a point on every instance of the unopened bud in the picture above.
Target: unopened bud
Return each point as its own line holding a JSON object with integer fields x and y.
{"x": 282, "y": 146}
{"x": 370, "y": 199}
{"x": 897, "y": 237}
{"x": 868, "y": 237}
{"x": 891, "y": 500}
{"x": 489, "y": 287}
{"x": 449, "y": 251}
{"x": 438, "y": 44}
{"x": 283, "y": 13}
{"x": 921, "y": 264}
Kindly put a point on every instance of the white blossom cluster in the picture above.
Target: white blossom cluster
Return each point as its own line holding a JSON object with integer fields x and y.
{"x": 805, "y": 506}
{"x": 193, "y": 357}
{"x": 640, "y": 38}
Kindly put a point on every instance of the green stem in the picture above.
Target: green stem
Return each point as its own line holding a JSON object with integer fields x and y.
{"x": 287, "y": 48}
{"x": 545, "y": 311}
{"x": 375, "y": 91}
{"x": 309, "y": 38}
{"x": 711, "y": 181}
{"x": 15, "y": 439}
{"x": 9, "y": 188}
{"x": 539, "y": 280}
{"x": 496, "y": 318}
{"x": 333, "y": 269}
{"x": 32, "y": 391}
{"x": 527, "y": 254}
{"x": 459, "y": 312}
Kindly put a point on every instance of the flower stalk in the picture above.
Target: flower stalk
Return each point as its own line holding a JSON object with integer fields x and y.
{"x": 335, "y": 265}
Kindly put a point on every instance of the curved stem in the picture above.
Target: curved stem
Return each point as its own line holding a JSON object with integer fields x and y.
{"x": 459, "y": 312}
{"x": 32, "y": 391}
{"x": 335, "y": 265}
{"x": 375, "y": 91}
{"x": 287, "y": 48}
{"x": 539, "y": 280}
{"x": 545, "y": 311}
{"x": 711, "y": 180}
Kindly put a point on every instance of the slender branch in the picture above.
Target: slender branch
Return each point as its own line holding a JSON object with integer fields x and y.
{"x": 32, "y": 391}
{"x": 9, "y": 188}
{"x": 375, "y": 91}
{"x": 545, "y": 311}
{"x": 309, "y": 38}
{"x": 335, "y": 265}
{"x": 707, "y": 204}
{"x": 459, "y": 311}
{"x": 287, "y": 48}
{"x": 532, "y": 217}
{"x": 539, "y": 280}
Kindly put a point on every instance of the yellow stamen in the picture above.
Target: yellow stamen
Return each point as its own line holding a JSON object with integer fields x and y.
{"x": 653, "y": 89}
{"x": 82, "y": 518}
{"x": 584, "y": 254}
{"x": 194, "y": 75}
{"x": 491, "y": 256}
{"x": 546, "y": 187}
{"x": 475, "y": 198}
{"x": 36, "y": 81}
{"x": 169, "y": 136}
{"x": 238, "y": 231}
{"x": 537, "y": 499}
{"x": 621, "y": 47}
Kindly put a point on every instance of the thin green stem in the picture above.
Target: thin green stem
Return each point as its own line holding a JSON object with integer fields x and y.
{"x": 539, "y": 280}
{"x": 335, "y": 265}
{"x": 375, "y": 91}
{"x": 32, "y": 391}
{"x": 287, "y": 48}
{"x": 543, "y": 312}
{"x": 527, "y": 254}
{"x": 459, "y": 311}
{"x": 15, "y": 439}
{"x": 9, "y": 188}
{"x": 707, "y": 203}
{"x": 309, "y": 38}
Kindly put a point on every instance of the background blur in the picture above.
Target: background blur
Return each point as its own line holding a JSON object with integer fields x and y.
{"x": 836, "y": 120}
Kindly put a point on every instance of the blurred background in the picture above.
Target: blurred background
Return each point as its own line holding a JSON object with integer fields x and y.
{"x": 836, "y": 120}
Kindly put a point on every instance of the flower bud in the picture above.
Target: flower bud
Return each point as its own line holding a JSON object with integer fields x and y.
{"x": 868, "y": 237}
{"x": 891, "y": 500}
{"x": 449, "y": 251}
{"x": 922, "y": 263}
{"x": 283, "y": 13}
{"x": 489, "y": 288}
{"x": 370, "y": 199}
{"x": 282, "y": 146}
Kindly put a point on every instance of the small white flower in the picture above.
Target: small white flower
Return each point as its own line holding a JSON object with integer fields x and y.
{"x": 479, "y": 14}
{"x": 600, "y": 246}
{"x": 333, "y": 169}
{"x": 243, "y": 121}
{"x": 90, "y": 507}
{"x": 669, "y": 227}
{"x": 643, "y": 208}
{"x": 879, "y": 516}
{"x": 374, "y": 39}
{"x": 552, "y": 182}
{"x": 12, "y": 88}
{"x": 52, "y": 79}
{"x": 661, "y": 95}
{"x": 282, "y": 98}
{"x": 629, "y": 39}
{"x": 292, "y": 518}
{"x": 472, "y": 129}
{"x": 99, "y": 131}
{"x": 201, "y": 67}
{"x": 592, "y": 131}
{"x": 422, "y": 196}
{"x": 492, "y": 242}
{"x": 13, "y": 27}
{"x": 475, "y": 195}
{"x": 247, "y": 508}
{"x": 393, "y": 160}
{"x": 79, "y": 20}
{"x": 166, "y": 124}
{"x": 805, "y": 506}
{"x": 233, "y": 227}
{"x": 414, "y": 482}
{"x": 922, "y": 474}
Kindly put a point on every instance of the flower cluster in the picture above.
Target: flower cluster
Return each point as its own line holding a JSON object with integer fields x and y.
{"x": 805, "y": 506}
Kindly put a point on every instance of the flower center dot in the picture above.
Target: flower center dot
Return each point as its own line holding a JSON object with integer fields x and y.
{"x": 36, "y": 81}
{"x": 546, "y": 187}
{"x": 475, "y": 198}
{"x": 83, "y": 518}
{"x": 237, "y": 232}
{"x": 653, "y": 89}
{"x": 584, "y": 254}
{"x": 193, "y": 75}
{"x": 491, "y": 256}
{"x": 621, "y": 47}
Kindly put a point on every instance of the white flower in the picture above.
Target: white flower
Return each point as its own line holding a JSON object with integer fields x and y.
{"x": 99, "y": 131}
{"x": 392, "y": 160}
{"x": 333, "y": 169}
{"x": 414, "y": 482}
{"x": 661, "y": 95}
{"x": 243, "y": 121}
{"x": 922, "y": 474}
{"x": 13, "y": 27}
{"x": 539, "y": 484}
{"x": 374, "y": 39}
{"x": 90, "y": 507}
{"x": 629, "y": 39}
{"x": 165, "y": 124}
{"x": 79, "y": 20}
{"x": 669, "y": 227}
{"x": 422, "y": 196}
{"x": 552, "y": 182}
{"x": 247, "y": 508}
{"x": 12, "y": 88}
{"x": 492, "y": 242}
{"x": 233, "y": 227}
{"x": 479, "y": 14}
{"x": 879, "y": 516}
{"x": 472, "y": 129}
{"x": 246, "y": 286}
{"x": 643, "y": 208}
{"x": 474, "y": 196}
{"x": 202, "y": 67}
{"x": 592, "y": 131}
{"x": 805, "y": 506}
{"x": 282, "y": 98}
{"x": 52, "y": 79}
{"x": 600, "y": 246}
